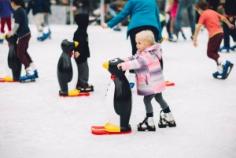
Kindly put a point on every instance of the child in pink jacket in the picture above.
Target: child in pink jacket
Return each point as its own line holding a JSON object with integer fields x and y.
{"x": 149, "y": 78}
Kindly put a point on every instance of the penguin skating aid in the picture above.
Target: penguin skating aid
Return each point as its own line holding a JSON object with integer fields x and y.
{"x": 13, "y": 61}
{"x": 122, "y": 102}
{"x": 65, "y": 71}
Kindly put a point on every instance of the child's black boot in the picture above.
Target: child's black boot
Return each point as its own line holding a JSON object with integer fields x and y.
{"x": 147, "y": 124}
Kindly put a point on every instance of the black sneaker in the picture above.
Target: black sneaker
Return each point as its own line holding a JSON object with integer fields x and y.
{"x": 126, "y": 129}
{"x": 85, "y": 87}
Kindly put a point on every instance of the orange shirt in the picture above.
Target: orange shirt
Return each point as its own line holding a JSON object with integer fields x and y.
{"x": 212, "y": 21}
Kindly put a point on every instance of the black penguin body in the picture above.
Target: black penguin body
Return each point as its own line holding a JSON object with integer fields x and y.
{"x": 122, "y": 95}
{"x": 13, "y": 61}
{"x": 64, "y": 66}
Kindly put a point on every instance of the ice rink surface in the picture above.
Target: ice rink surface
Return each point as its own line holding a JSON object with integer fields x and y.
{"x": 36, "y": 123}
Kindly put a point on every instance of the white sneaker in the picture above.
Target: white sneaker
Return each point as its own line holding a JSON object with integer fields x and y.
{"x": 29, "y": 71}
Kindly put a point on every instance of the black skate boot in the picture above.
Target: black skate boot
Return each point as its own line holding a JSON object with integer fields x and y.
{"x": 126, "y": 129}
{"x": 85, "y": 87}
{"x": 147, "y": 124}
{"x": 166, "y": 119}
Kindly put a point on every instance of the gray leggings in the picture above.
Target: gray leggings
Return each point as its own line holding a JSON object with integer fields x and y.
{"x": 148, "y": 105}
{"x": 83, "y": 72}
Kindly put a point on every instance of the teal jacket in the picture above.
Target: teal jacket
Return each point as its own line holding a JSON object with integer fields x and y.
{"x": 142, "y": 13}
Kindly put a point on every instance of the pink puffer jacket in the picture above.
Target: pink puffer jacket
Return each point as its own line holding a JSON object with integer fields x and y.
{"x": 149, "y": 76}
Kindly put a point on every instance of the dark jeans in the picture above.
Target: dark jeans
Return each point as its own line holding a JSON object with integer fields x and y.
{"x": 21, "y": 50}
{"x": 227, "y": 33}
{"x": 183, "y": 4}
{"x": 213, "y": 46}
{"x": 83, "y": 72}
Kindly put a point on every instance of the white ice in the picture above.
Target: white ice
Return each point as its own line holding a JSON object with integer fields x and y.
{"x": 36, "y": 123}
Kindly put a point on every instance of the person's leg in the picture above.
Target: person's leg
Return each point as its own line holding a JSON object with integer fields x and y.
{"x": 223, "y": 66}
{"x": 179, "y": 15}
{"x": 233, "y": 35}
{"x": 132, "y": 41}
{"x": 83, "y": 77}
{"x": 39, "y": 18}
{"x": 83, "y": 72}
{"x": 3, "y": 21}
{"x": 148, "y": 105}
{"x": 213, "y": 47}
{"x": 46, "y": 29}
{"x": 8, "y": 21}
{"x": 191, "y": 17}
{"x": 147, "y": 123}
{"x": 162, "y": 102}
{"x": 166, "y": 117}
{"x": 1, "y": 30}
{"x": 226, "y": 46}
{"x": 22, "y": 52}
{"x": 168, "y": 25}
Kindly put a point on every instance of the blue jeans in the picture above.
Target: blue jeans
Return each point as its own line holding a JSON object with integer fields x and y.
{"x": 190, "y": 10}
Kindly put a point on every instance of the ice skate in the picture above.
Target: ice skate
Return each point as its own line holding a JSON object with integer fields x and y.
{"x": 224, "y": 49}
{"x": 147, "y": 125}
{"x": 166, "y": 119}
{"x": 30, "y": 76}
{"x": 45, "y": 35}
{"x": 173, "y": 38}
{"x": 233, "y": 48}
{"x": 226, "y": 69}
{"x": 85, "y": 87}
{"x": 228, "y": 66}
{"x": 218, "y": 74}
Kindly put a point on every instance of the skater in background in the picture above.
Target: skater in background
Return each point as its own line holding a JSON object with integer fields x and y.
{"x": 171, "y": 10}
{"x": 113, "y": 8}
{"x": 182, "y": 5}
{"x": 81, "y": 12}
{"x": 41, "y": 9}
{"x": 147, "y": 10}
{"x": 213, "y": 4}
{"x": 5, "y": 17}
{"x": 149, "y": 78}
{"x": 230, "y": 13}
{"x": 22, "y": 31}
{"x": 211, "y": 20}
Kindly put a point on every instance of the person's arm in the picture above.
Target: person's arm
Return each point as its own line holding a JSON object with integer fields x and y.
{"x": 120, "y": 16}
{"x": 15, "y": 28}
{"x": 197, "y": 30}
{"x": 17, "y": 19}
{"x": 169, "y": 5}
{"x": 225, "y": 20}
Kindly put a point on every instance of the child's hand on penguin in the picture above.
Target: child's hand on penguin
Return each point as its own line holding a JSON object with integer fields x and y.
{"x": 76, "y": 54}
{"x": 121, "y": 66}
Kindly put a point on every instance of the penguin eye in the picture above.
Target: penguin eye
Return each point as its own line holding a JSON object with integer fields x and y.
{"x": 114, "y": 60}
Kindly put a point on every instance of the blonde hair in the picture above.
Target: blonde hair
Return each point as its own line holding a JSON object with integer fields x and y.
{"x": 146, "y": 35}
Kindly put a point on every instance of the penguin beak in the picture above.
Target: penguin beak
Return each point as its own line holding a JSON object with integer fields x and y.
{"x": 76, "y": 44}
{"x": 106, "y": 65}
